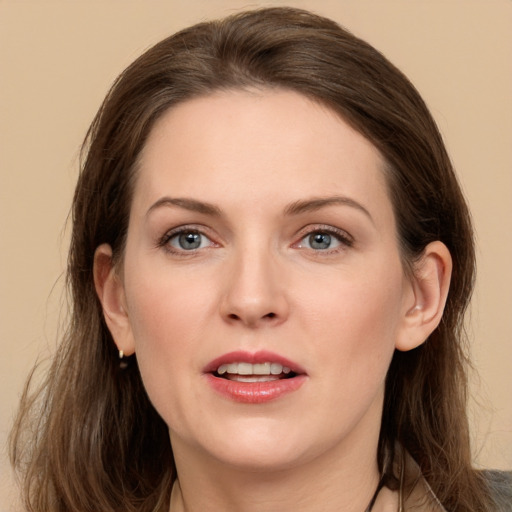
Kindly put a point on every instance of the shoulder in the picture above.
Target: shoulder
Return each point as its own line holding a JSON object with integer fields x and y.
{"x": 500, "y": 487}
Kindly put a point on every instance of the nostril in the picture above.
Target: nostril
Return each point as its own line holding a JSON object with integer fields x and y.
{"x": 269, "y": 316}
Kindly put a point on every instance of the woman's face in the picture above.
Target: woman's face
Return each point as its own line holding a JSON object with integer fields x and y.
{"x": 262, "y": 280}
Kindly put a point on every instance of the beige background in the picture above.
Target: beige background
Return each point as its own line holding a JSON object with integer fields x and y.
{"x": 57, "y": 60}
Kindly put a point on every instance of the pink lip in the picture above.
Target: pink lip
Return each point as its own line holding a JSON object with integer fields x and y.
{"x": 261, "y": 356}
{"x": 254, "y": 392}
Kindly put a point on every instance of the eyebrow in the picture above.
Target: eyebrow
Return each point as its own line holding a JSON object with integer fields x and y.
{"x": 295, "y": 208}
{"x": 188, "y": 204}
{"x": 314, "y": 204}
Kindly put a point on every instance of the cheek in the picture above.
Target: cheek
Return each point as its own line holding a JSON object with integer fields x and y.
{"x": 167, "y": 318}
{"x": 163, "y": 311}
{"x": 167, "y": 315}
{"x": 355, "y": 326}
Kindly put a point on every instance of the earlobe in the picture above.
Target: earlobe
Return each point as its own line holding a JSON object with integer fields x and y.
{"x": 110, "y": 291}
{"x": 429, "y": 285}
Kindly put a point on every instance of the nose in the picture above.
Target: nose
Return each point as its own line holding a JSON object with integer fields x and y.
{"x": 255, "y": 293}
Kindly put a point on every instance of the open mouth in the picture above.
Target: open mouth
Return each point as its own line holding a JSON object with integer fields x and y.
{"x": 259, "y": 372}
{"x": 254, "y": 378}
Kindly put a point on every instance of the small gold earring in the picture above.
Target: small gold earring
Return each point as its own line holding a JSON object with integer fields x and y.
{"x": 123, "y": 364}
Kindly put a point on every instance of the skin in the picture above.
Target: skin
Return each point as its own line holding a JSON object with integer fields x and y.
{"x": 257, "y": 283}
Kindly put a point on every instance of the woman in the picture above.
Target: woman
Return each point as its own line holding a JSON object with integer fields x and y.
{"x": 270, "y": 263}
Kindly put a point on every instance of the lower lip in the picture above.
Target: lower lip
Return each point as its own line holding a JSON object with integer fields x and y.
{"x": 255, "y": 392}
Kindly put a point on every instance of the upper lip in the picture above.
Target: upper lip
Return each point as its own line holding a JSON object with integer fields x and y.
{"x": 262, "y": 356}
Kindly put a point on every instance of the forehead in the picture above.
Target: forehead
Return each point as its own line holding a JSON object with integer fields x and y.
{"x": 257, "y": 144}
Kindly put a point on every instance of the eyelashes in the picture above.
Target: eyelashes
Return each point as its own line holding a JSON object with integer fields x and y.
{"x": 326, "y": 239}
{"x": 185, "y": 240}
{"x": 190, "y": 240}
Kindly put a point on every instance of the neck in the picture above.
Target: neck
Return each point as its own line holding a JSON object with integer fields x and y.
{"x": 343, "y": 478}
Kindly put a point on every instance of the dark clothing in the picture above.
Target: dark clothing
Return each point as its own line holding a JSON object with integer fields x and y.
{"x": 500, "y": 485}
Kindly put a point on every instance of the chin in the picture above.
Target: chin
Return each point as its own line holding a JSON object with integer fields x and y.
{"x": 260, "y": 459}
{"x": 263, "y": 446}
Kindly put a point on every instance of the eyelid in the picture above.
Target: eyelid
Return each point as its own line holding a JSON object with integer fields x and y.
{"x": 163, "y": 241}
{"x": 341, "y": 235}
{"x": 344, "y": 238}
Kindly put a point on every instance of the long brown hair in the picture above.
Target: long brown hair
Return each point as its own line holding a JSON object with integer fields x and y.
{"x": 96, "y": 441}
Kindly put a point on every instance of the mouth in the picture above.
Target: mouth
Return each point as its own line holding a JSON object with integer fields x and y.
{"x": 258, "y": 372}
{"x": 254, "y": 377}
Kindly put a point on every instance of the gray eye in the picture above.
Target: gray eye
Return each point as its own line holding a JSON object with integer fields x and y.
{"x": 319, "y": 241}
{"x": 189, "y": 241}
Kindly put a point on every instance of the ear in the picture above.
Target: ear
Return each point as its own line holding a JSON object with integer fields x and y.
{"x": 426, "y": 296}
{"x": 110, "y": 291}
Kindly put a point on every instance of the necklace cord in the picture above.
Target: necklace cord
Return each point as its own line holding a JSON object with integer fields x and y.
{"x": 391, "y": 482}
{"x": 376, "y": 493}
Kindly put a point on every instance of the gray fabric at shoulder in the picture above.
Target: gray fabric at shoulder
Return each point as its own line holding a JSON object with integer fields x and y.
{"x": 500, "y": 485}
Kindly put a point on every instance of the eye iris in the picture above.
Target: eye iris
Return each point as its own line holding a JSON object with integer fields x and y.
{"x": 189, "y": 240}
{"x": 319, "y": 240}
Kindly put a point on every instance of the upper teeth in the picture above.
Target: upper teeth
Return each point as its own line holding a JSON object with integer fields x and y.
{"x": 253, "y": 369}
